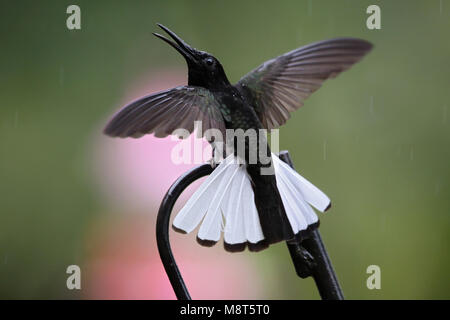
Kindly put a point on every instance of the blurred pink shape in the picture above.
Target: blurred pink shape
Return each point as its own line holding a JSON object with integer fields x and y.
{"x": 136, "y": 173}
{"x": 133, "y": 175}
{"x": 123, "y": 265}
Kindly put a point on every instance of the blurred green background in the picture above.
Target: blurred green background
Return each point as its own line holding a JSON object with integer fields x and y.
{"x": 376, "y": 139}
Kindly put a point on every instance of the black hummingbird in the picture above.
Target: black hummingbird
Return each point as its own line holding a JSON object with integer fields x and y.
{"x": 262, "y": 99}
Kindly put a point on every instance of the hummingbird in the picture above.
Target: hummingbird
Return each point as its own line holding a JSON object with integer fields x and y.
{"x": 251, "y": 209}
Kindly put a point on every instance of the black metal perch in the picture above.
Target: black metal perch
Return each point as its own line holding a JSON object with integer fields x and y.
{"x": 308, "y": 254}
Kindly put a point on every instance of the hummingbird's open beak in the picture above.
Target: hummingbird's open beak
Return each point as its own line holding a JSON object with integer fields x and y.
{"x": 182, "y": 47}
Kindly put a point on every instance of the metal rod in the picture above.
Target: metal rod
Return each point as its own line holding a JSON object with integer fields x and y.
{"x": 323, "y": 273}
{"x": 162, "y": 228}
{"x": 310, "y": 258}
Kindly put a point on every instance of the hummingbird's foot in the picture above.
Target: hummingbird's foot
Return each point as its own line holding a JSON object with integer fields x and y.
{"x": 213, "y": 163}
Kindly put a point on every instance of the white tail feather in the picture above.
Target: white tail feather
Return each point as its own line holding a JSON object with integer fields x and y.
{"x": 212, "y": 223}
{"x": 234, "y": 231}
{"x": 310, "y": 192}
{"x": 195, "y": 209}
{"x": 227, "y": 195}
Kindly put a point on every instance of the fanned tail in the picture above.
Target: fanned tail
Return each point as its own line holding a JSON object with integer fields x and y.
{"x": 225, "y": 202}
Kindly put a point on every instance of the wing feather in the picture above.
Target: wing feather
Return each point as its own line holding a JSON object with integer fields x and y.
{"x": 164, "y": 112}
{"x": 280, "y": 86}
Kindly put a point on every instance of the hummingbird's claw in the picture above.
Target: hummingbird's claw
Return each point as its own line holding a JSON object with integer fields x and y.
{"x": 213, "y": 163}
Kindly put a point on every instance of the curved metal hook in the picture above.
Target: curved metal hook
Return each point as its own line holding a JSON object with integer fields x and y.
{"x": 309, "y": 255}
{"x": 162, "y": 227}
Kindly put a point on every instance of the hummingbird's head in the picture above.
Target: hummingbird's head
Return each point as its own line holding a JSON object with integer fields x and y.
{"x": 204, "y": 69}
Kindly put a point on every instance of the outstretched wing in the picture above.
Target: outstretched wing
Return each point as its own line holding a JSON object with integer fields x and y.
{"x": 279, "y": 86}
{"x": 163, "y": 112}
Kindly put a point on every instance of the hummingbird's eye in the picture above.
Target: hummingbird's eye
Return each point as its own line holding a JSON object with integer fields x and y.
{"x": 209, "y": 61}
